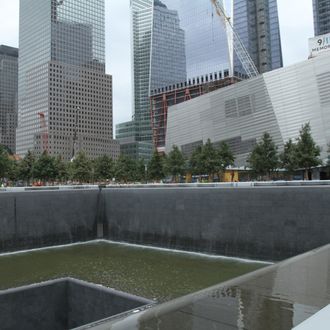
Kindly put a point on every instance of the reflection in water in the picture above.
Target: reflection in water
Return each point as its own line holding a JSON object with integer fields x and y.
{"x": 278, "y": 297}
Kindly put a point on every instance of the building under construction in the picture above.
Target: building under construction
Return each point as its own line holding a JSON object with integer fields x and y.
{"x": 162, "y": 99}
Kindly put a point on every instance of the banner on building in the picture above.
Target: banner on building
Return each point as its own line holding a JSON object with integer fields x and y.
{"x": 319, "y": 44}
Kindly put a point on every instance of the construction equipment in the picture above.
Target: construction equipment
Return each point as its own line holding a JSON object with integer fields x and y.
{"x": 235, "y": 43}
{"x": 75, "y": 137}
{"x": 44, "y": 131}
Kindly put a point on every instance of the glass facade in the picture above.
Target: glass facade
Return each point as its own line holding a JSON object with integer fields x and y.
{"x": 257, "y": 24}
{"x": 8, "y": 95}
{"x": 62, "y": 69}
{"x": 321, "y": 17}
{"x": 174, "y": 43}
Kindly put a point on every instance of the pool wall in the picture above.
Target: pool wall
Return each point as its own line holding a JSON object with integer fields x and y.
{"x": 265, "y": 223}
{"x": 44, "y": 218}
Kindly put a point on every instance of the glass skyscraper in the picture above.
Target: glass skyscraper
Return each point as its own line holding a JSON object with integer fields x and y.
{"x": 257, "y": 24}
{"x": 8, "y": 95}
{"x": 173, "y": 42}
{"x": 321, "y": 17}
{"x": 62, "y": 76}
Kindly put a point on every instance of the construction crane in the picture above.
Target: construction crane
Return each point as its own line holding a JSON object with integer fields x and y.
{"x": 44, "y": 132}
{"x": 235, "y": 43}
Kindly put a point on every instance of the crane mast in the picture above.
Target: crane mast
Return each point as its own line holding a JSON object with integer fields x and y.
{"x": 235, "y": 43}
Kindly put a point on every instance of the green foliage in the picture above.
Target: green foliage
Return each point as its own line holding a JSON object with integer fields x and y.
{"x": 175, "y": 163}
{"x": 62, "y": 169}
{"x": 289, "y": 157}
{"x": 4, "y": 162}
{"x": 12, "y": 173}
{"x": 45, "y": 167}
{"x": 81, "y": 168}
{"x": 104, "y": 168}
{"x": 209, "y": 159}
{"x": 156, "y": 167}
{"x": 264, "y": 158}
{"x": 140, "y": 174}
{"x": 195, "y": 162}
{"x": 26, "y": 167}
{"x": 224, "y": 158}
{"x": 307, "y": 152}
{"x": 125, "y": 169}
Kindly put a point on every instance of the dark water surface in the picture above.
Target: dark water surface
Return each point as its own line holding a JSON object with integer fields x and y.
{"x": 150, "y": 273}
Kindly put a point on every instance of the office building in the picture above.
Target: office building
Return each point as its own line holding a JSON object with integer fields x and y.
{"x": 172, "y": 42}
{"x": 62, "y": 79}
{"x": 278, "y": 102}
{"x": 257, "y": 25}
{"x": 8, "y": 96}
{"x": 321, "y": 10}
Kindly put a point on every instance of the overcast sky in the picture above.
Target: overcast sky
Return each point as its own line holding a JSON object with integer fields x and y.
{"x": 296, "y": 24}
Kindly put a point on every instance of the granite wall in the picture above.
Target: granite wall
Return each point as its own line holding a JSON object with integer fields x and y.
{"x": 259, "y": 223}
{"x": 265, "y": 223}
{"x": 44, "y": 218}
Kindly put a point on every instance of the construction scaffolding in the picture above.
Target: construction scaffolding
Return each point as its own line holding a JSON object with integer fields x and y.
{"x": 160, "y": 102}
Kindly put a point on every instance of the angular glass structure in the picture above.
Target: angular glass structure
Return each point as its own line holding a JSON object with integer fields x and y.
{"x": 174, "y": 43}
{"x": 8, "y": 96}
{"x": 321, "y": 17}
{"x": 62, "y": 79}
{"x": 257, "y": 24}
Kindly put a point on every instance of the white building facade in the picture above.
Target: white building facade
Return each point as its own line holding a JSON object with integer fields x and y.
{"x": 278, "y": 102}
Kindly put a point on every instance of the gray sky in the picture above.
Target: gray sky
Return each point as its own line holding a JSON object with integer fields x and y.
{"x": 296, "y": 24}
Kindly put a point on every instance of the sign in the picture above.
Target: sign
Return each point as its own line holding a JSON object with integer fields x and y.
{"x": 319, "y": 44}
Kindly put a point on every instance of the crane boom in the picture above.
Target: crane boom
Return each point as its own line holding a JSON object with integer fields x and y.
{"x": 235, "y": 42}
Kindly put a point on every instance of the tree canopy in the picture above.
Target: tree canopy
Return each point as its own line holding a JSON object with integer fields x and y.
{"x": 175, "y": 163}
{"x": 156, "y": 167}
{"x": 264, "y": 158}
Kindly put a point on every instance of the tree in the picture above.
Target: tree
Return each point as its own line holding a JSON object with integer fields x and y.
{"x": 45, "y": 167}
{"x": 264, "y": 158}
{"x": 104, "y": 168}
{"x": 12, "y": 173}
{"x": 26, "y": 167}
{"x": 139, "y": 173}
{"x": 156, "y": 167}
{"x": 224, "y": 158}
{"x": 125, "y": 169}
{"x": 4, "y": 162}
{"x": 195, "y": 162}
{"x": 175, "y": 163}
{"x": 307, "y": 152}
{"x": 81, "y": 168}
{"x": 209, "y": 159}
{"x": 289, "y": 157}
{"x": 62, "y": 169}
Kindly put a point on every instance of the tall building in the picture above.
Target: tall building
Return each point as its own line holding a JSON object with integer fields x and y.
{"x": 321, "y": 17}
{"x": 257, "y": 24}
{"x": 62, "y": 79}
{"x": 172, "y": 42}
{"x": 8, "y": 96}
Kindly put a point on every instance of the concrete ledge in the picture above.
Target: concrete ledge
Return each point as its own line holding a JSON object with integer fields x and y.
{"x": 62, "y": 304}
